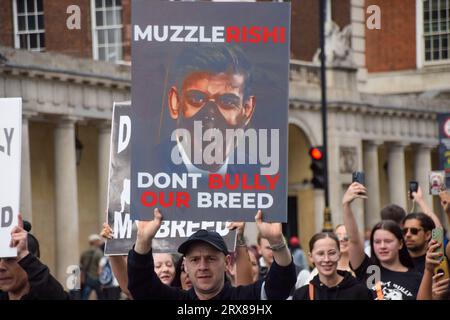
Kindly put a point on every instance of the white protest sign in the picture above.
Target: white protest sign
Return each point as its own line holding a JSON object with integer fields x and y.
{"x": 10, "y": 153}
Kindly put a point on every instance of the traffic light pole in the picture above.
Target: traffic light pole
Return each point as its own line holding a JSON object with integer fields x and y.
{"x": 327, "y": 221}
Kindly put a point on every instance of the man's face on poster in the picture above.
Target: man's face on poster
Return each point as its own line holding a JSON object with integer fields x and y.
{"x": 215, "y": 99}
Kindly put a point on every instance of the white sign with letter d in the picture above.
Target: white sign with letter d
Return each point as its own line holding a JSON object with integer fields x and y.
{"x": 10, "y": 153}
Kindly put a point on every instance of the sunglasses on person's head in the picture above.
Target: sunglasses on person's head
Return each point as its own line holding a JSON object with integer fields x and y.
{"x": 225, "y": 101}
{"x": 413, "y": 231}
{"x": 343, "y": 238}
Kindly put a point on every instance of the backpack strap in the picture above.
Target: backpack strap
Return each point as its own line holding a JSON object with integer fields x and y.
{"x": 311, "y": 291}
{"x": 379, "y": 291}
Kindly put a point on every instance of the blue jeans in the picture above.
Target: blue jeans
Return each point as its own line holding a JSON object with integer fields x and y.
{"x": 91, "y": 284}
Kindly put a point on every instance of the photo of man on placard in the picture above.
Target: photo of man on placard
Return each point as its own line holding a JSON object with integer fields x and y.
{"x": 210, "y": 93}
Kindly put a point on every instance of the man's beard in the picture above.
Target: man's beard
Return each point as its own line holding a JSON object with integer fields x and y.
{"x": 416, "y": 248}
{"x": 210, "y": 118}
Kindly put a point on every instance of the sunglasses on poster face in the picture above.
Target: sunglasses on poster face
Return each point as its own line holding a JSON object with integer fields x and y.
{"x": 414, "y": 231}
{"x": 226, "y": 101}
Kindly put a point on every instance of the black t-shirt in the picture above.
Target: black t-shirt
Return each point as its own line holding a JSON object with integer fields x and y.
{"x": 395, "y": 285}
{"x": 419, "y": 263}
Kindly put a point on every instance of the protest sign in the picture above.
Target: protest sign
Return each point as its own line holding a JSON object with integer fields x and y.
{"x": 444, "y": 144}
{"x": 210, "y": 105}
{"x": 10, "y": 160}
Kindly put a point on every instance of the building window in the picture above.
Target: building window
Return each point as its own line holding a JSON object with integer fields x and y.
{"x": 436, "y": 29}
{"x": 29, "y": 32}
{"x": 107, "y": 29}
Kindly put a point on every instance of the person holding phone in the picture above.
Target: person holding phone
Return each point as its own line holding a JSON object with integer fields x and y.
{"x": 417, "y": 196}
{"x": 433, "y": 286}
{"x": 389, "y": 255}
{"x": 341, "y": 234}
{"x": 445, "y": 203}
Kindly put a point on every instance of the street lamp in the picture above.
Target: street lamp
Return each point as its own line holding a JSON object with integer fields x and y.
{"x": 327, "y": 219}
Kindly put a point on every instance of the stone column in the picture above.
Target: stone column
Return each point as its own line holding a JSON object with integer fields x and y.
{"x": 66, "y": 199}
{"x": 396, "y": 175}
{"x": 104, "y": 139}
{"x": 372, "y": 210}
{"x": 25, "y": 175}
{"x": 422, "y": 168}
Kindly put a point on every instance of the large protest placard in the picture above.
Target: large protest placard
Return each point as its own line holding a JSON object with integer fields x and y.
{"x": 10, "y": 160}
{"x": 171, "y": 233}
{"x": 210, "y": 105}
{"x": 118, "y": 203}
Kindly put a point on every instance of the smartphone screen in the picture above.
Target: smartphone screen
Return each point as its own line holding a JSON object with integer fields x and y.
{"x": 413, "y": 187}
{"x": 358, "y": 176}
{"x": 437, "y": 234}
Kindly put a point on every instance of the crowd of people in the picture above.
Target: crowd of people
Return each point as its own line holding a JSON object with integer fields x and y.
{"x": 396, "y": 261}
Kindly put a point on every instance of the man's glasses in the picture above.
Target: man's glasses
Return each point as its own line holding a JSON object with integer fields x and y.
{"x": 226, "y": 101}
{"x": 414, "y": 231}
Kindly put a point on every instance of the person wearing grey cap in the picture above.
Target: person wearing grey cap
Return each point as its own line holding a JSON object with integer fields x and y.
{"x": 206, "y": 257}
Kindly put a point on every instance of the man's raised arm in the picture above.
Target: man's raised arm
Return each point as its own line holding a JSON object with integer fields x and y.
{"x": 143, "y": 283}
{"x": 281, "y": 277}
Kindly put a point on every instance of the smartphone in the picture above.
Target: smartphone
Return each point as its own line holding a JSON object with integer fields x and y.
{"x": 358, "y": 176}
{"x": 437, "y": 234}
{"x": 413, "y": 187}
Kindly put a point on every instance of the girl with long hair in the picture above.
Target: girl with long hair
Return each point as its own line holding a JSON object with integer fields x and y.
{"x": 389, "y": 271}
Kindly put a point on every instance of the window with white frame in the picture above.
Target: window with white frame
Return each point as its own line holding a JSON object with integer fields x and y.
{"x": 29, "y": 32}
{"x": 107, "y": 29}
{"x": 436, "y": 29}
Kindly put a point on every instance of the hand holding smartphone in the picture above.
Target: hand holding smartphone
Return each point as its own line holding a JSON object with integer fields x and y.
{"x": 413, "y": 187}
{"x": 358, "y": 176}
{"x": 437, "y": 234}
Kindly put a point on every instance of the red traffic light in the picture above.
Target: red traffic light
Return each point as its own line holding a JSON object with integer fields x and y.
{"x": 316, "y": 153}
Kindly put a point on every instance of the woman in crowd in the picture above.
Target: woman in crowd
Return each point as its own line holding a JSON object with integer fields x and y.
{"x": 253, "y": 255}
{"x": 164, "y": 265}
{"x": 390, "y": 261}
{"x": 181, "y": 279}
{"x": 330, "y": 283}
{"x": 305, "y": 276}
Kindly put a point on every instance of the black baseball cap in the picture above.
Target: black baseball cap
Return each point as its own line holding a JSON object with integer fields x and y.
{"x": 209, "y": 237}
